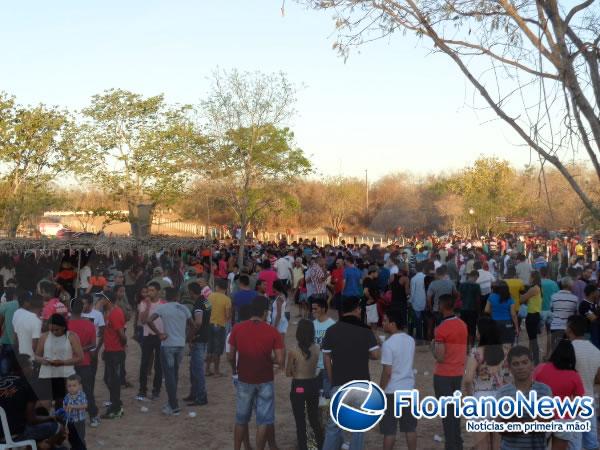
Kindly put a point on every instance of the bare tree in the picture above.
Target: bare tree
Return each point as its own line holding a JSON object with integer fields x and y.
{"x": 252, "y": 157}
{"x": 535, "y": 63}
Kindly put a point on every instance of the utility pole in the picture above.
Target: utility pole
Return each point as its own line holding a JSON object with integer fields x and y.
{"x": 367, "y": 191}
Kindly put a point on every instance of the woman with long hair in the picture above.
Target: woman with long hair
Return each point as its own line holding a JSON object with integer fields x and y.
{"x": 58, "y": 351}
{"x": 533, "y": 299}
{"x": 486, "y": 372}
{"x": 560, "y": 375}
{"x": 304, "y": 395}
{"x": 500, "y": 306}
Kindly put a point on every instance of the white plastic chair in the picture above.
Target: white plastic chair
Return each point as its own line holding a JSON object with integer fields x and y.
{"x": 8, "y": 437}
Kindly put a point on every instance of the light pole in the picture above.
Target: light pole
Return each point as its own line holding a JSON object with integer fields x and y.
{"x": 367, "y": 192}
{"x": 471, "y": 213}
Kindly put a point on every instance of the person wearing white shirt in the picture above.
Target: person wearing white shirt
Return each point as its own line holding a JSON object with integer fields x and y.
{"x": 484, "y": 281}
{"x": 397, "y": 357}
{"x": 418, "y": 299}
{"x": 587, "y": 364}
{"x": 392, "y": 266}
{"x": 7, "y": 272}
{"x": 284, "y": 266}
{"x": 27, "y": 325}
{"x": 85, "y": 274}
{"x": 505, "y": 264}
{"x": 492, "y": 264}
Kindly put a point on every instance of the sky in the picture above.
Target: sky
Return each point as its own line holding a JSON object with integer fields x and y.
{"x": 393, "y": 106}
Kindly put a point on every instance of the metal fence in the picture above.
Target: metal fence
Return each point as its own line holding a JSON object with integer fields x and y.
{"x": 187, "y": 228}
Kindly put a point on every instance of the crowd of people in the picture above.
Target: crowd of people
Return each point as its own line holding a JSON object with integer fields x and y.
{"x": 64, "y": 315}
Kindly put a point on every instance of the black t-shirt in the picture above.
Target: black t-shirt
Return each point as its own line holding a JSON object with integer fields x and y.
{"x": 203, "y": 333}
{"x": 15, "y": 394}
{"x": 373, "y": 286}
{"x": 585, "y": 307}
{"x": 349, "y": 343}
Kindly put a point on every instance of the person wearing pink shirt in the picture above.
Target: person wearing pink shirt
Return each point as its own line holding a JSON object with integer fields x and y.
{"x": 268, "y": 276}
{"x": 52, "y": 305}
{"x": 560, "y": 376}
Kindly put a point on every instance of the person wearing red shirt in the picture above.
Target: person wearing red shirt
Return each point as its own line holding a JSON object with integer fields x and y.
{"x": 560, "y": 376}
{"x": 449, "y": 349}
{"x": 222, "y": 267}
{"x": 337, "y": 282}
{"x": 268, "y": 276}
{"x": 114, "y": 355}
{"x": 86, "y": 331}
{"x": 253, "y": 344}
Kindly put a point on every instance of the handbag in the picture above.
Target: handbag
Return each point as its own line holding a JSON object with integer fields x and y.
{"x": 522, "y": 311}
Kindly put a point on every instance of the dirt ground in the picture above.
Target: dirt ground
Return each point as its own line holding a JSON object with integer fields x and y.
{"x": 212, "y": 428}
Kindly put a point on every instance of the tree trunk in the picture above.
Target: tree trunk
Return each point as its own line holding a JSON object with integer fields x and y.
{"x": 243, "y": 229}
{"x": 12, "y": 229}
{"x": 140, "y": 219}
{"x": 13, "y": 220}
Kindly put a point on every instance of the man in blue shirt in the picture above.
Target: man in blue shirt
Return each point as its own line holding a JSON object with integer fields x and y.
{"x": 352, "y": 278}
{"x": 244, "y": 296}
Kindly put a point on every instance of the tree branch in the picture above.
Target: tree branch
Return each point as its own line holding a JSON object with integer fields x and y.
{"x": 502, "y": 59}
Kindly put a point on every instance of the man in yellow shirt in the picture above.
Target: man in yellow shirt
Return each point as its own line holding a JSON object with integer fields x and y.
{"x": 219, "y": 318}
{"x": 515, "y": 287}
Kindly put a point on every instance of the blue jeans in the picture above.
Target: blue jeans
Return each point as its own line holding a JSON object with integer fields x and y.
{"x": 589, "y": 440}
{"x": 5, "y": 357}
{"x": 255, "y": 396}
{"x": 325, "y": 383}
{"x": 197, "y": 380}
{"x": 334, "y": 435}
{"x": 418, "y": 323}
{"x": 171, "y": 359}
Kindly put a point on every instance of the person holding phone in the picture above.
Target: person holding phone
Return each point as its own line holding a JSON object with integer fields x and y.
{"x": 58, "y": 351}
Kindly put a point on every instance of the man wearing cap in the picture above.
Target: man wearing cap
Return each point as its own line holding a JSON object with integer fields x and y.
{"x": 158, "y": 276}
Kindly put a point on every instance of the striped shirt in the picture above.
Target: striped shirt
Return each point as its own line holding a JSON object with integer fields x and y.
{"x": 529, "y": 441}
{"x": 315, "y": 279}
{"x": 563, "y": 306}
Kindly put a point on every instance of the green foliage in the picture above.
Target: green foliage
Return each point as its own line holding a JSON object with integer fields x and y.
{"x": 257, "y": 164}
{"x": 488, "y": 190}
{"x": 36, "y": 144}
{"x": 344, "y": 198}
{"x": 139, "y": 149}
{"x": 252, "y": 155}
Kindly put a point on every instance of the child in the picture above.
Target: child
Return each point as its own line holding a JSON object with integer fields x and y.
{"x": 75, "y": 405}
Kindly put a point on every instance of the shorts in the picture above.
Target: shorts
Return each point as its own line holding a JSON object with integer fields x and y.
{"x": 407, "y": 423}
{"x": 51, "y": 388}
{"x": 260, "y": 396}
{"x": 470, "y": 318}
{"x": 216, "y": 341}
{"x": 302, "y": 297}
{"x": 546, "y": 318}
{"x": 372, "y": 314}
{"x": 507, "y": 331}
{"x": 41, "y": 431}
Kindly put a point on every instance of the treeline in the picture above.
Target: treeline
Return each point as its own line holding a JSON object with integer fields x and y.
{"x": 470, "y": 201}
{"x": 232, "y": 159}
